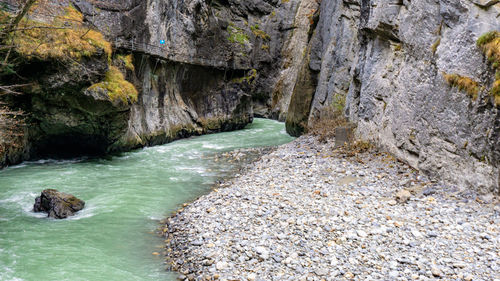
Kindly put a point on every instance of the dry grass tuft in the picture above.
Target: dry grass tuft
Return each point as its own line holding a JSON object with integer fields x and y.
{"x": 489, "y": 43}
{"x": 330, "y": 117}
{"x": 463, "y": 83}
{"x": 356, "y": 147}
{"x": 127, "y": 60}
{"x": 324, "y": 128}
{"x": 495, "y": 92}
{"x": 260, "y": 33}
{"x": 116, "y": 86}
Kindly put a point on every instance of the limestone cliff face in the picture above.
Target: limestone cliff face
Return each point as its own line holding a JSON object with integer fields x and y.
{"x": 389, "y": 58}
{"x": 215, "y": 65}
{"x": 234, "y": 36}
{"x": 180, "y": 100}
{"x": 224, "y": 61}
{"x": 216, "y": 68}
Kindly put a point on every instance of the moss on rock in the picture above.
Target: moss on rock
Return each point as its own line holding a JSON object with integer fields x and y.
{"x": 127, "y": 60}
{"x": 116, "y": 86}
{"x": 237, "y": 35}
{"x": 463, "y": 83}
{"x": 64, "y": 37}
{"x": 489, "y": 43}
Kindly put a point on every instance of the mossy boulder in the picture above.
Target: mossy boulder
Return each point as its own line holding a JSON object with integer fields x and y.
{"x": 58, "y": 205}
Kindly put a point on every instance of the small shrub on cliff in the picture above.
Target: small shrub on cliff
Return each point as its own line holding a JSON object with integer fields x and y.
{"x": 127, "y": 61}
{"x": 116, "y": 86}
{"x": 463, "y": 83}
{"x": 489, "y": 43}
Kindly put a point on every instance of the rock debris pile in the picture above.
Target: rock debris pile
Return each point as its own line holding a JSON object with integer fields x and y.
{"x": 306, "y": 212}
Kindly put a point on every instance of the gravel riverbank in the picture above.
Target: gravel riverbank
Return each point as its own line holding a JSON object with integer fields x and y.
{"x": 307, "y": 212}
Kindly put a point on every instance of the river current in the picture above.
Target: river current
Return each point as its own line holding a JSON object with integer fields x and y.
{"x": 126, "y": 195}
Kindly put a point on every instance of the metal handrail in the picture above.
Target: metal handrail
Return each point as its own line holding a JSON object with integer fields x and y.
{"x": 166, "y": 53}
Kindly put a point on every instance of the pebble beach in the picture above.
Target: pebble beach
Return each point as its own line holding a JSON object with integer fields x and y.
{"x": 308, "y": 211}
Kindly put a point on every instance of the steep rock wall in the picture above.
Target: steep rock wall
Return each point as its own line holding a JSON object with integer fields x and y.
{"x": 294, "y": 53}
{"x": 215, "y": 69}
{"x": 217, "y": 66}
{"x": 217, "y": 34}
{"x": 180, "y": 100}
{"x": 389, "y": 57}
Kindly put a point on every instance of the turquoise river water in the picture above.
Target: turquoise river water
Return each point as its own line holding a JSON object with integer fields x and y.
{"x": 126, "y": 196}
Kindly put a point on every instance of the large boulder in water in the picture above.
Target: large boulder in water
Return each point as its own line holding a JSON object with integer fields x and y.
{"x": 57, "y": 204}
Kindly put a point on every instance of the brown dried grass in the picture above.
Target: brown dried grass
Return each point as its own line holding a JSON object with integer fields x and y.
{"x": 463, "y": 83}
{"x": 330, "y": 117}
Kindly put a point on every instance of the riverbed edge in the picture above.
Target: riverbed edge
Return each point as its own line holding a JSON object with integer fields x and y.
{"x": 179, "y": 256}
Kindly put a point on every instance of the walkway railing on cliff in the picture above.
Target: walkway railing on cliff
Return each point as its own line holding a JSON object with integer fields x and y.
{"x": 162, "y": 52}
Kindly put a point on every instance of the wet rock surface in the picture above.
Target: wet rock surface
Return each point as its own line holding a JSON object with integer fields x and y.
{"x": 308, "y": 212}
{"x": 58, "y": 205}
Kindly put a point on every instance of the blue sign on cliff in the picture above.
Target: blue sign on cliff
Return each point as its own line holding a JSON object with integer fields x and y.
{"x": 162, "y": 42}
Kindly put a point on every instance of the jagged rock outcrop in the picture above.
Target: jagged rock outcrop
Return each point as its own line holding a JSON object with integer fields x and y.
{"x": 173, "y": 105}
{"x": 58, "y": 205}
{"x": 388, "y": 58}
{"x": 294, "y": 53}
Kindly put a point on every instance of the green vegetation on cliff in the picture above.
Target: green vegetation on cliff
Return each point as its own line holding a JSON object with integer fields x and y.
{"x": 237, "y": 35}
{"x": 249, "y": 78}
{"x": 489, "y": 43}
{"x": 463, "y": 83}
{"x": 127, "y": 60}
{"x": 260, "y": 33}
{"x": 64, "y": 37}
{"x": 116, "y": 86}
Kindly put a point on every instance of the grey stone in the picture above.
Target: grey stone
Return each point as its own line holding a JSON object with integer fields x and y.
{"x": 58, "y": 205}
{"x": 403, "y": 195}
{"x": 343, "y": 135}
{"x": 436, "y": 271}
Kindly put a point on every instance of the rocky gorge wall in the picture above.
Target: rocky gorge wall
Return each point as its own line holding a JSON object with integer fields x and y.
{"x": 243, "y": 38}
{"x": 217, "y": 65}
{"x": 224, "y": 61}
{"x": 215, "y": 68}
{"x": 390, "y": 59}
